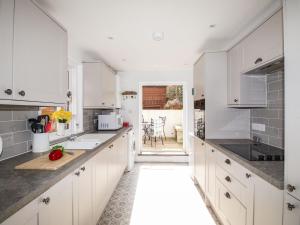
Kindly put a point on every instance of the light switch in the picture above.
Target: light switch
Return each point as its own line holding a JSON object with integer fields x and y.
{"x": 259, "y": 127}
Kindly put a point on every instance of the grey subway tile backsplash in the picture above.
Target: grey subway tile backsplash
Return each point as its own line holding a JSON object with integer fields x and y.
{"x": 14, "y": 129}
{"x": 273, "y": 115}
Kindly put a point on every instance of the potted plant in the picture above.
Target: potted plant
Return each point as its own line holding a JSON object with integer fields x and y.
{"x": 62, "y": 118}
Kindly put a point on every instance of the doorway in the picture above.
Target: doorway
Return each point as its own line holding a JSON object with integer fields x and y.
{"x": 162, "y": 119}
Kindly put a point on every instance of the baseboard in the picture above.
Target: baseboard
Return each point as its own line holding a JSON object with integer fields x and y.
{"x": 162, "y": 158}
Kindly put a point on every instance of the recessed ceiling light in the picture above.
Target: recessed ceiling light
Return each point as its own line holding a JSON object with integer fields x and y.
{"x": 158, "y": 36}
{"x": 212, "y": 26}
{"x": 124, "y": 60}
{"x": 110, "y": 38}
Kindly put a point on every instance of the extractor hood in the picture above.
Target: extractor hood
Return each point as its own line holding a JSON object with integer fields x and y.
{"x": 268, "y": 68}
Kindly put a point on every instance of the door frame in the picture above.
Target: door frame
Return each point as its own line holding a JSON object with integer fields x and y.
{"x": 185, "y": 111}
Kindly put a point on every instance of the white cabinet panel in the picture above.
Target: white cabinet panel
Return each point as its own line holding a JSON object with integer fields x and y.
{"x": 292, "y": 92}
{"x": 210, "y": 173}
{"x": 199, "y": 69}
{"x": 99, "y": 86}
{"x": 291, "y": 211}
{"x": 40, "y": 56}
{"x": 199, "y": 148}
{"x": 244, "y": 90}
{"x": 82, "y": 196}
{"x": 100, "y": 197}
{"x": 264, "y": 44}
{"x": 229, "y": 208}
{"x": 267, "y": 203}
{"x": 55, "y": 205}
{"x": 6, "y": 48}
{"x": 25, "y": 216}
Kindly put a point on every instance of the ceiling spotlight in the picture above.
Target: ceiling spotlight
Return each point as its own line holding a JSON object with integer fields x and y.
{"x": 124, "y": 60}
{"x": 158, "y": 36}
{"x": 110, "y": 38}
{"x": 212, "y": 26}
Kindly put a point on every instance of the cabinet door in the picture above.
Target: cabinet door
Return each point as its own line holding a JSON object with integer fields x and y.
{"x": 291, "y": 211}
{"x": 55, "y": 206}
{"x": 110, "y": 87}
{"x": 265, "y": 43}
{"x": 93, "y": 85}
{"x": 235, "y": 62}
{"x": 28, "y": 215}
{"x": 200, "y": 162}
{"x": 6, "y": 47}
{"x": 199, "y": 79}
{"x": 85, "y": 210}
{"x": 40, "y": 56}
{"x": 292, "y": 91}
{"x": 100, "y": 197}
{"x": 210, "y": 174}
{"x": 229, "y": 208}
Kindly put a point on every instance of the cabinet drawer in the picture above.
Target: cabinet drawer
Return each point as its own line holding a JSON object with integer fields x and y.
{"x": 233, "y": 185}
{"x": 238, "y": 171}
{"x": 229, "y": 208}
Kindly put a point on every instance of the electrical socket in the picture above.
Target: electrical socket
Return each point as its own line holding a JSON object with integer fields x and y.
{"x": 259, "y": 127}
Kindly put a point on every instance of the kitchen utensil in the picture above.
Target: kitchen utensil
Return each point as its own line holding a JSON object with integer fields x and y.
{"x": 37, "y": 128}
{"x": 40, "y": 142}
{"x": 43, "y": 162}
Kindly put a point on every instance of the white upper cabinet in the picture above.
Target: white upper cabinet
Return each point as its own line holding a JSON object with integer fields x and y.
{"x": 244, "y": 90}
{"x": 40, "y": 56}
{"x": 199, "y": 79}
{"x": 99, "y": 86}
{"x": 6, "y": 48}
{"x": 265, "y": 44}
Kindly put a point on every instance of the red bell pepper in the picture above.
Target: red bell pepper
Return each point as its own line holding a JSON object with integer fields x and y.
{"x": 56, "y": 153}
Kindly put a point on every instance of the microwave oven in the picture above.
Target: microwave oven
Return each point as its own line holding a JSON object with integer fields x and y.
{"x": 110, "y": 122}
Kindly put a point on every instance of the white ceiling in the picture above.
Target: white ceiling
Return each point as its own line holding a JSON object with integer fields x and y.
{"x": 131, "y": 23}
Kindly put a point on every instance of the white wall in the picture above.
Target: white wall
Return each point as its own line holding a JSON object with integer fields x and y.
{"x": 174, "y": 117}
{"x": 131, "y": 81}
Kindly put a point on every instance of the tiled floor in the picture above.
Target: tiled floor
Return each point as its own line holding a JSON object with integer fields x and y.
{"x": 169, "y": 145}
{"x": 157, "y": 194}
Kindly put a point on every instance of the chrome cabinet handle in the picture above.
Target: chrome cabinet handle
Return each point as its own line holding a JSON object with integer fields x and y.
{"x": 235, "y": 100}
{"x": 228, "y": 179}
{"x": 8, "y": 92}
{"x": 290, "y": 188}
{"x": 227, "y": 161}
{"x": 258, "y": 60}
{"x": 82, "y": 168}
{"x": 227, "y": 195}
{"x": 111, "y": 146}
{"x": 77, "y": 174}
{"x": 46, "y": 201}
{"x": 290, "y": 206}
{"x": 212, "y": 150}
{"x": 22, "y": 93}
{"x": 248, "y": 175}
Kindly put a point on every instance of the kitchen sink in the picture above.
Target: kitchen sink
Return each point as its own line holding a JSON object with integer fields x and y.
{"x": 86, "y": 145}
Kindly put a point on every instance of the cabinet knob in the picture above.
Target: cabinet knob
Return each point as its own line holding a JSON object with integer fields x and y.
{"x": 22, "y": 93}
{"x": 103, "y": 103}
{"x": 77, "y": 174}
{"x": 212, "y": 150}
{"x": 46, "y": 200}
{"x": 69, "y": 94}
{"x": 290, "y": 206}
{"x": 248, "y": 175}
{"x": 227, "y": 161}
{"x": 111, "y": 146}
{"x": 228, "y": 179}
{"x": 227, "y": 195}
{"x": 290, "y": 188}
{"x": 82, "y": 168}
{"x": 235, "y": 100}
{"x": 8, "y": 92}
{"x": 258, "y": 60}
{"x": 202, "y": 143}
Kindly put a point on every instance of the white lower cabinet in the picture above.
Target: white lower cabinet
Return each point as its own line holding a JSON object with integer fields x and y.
{"x": 291, "y": 210}
{"x": 199, "y": 162}
{"x": 229, "y": 208}
{"x": 82, "y": 195}
{"x": 238, "y": 196}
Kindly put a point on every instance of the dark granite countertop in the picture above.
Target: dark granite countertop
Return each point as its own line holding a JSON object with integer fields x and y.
{"x": 19, "y": 187}
{"x": 270, "y": 171}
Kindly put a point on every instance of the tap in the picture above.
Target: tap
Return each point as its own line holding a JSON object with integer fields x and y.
{"x": 73, "y": 138}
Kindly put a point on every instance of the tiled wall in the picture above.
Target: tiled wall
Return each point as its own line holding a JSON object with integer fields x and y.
{"x": 273, "y": 115}
{"x": 14, "y": 129}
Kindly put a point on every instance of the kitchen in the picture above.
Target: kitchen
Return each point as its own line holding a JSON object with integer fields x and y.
{"x": 70, "y": 100}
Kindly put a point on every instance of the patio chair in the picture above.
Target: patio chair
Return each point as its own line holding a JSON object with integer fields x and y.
{"x": 156, "y": 131}
{"x": 163, "y": 119}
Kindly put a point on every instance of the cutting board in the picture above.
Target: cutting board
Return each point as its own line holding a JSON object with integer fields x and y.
{"x": 43, "y": 162}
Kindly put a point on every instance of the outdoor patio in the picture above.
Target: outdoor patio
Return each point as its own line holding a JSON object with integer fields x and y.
{"x": 170, "y": 145}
